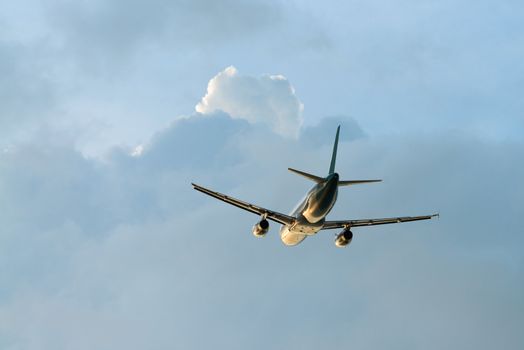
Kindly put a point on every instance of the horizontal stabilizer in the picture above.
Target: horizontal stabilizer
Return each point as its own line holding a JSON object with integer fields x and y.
{"x": 355, "y": 182}
{"x": 315, "y": 178}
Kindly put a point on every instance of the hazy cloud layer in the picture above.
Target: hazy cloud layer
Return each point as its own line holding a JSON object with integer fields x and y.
{"x": 269, "y": 100}
{"x": 26, "y": 96}
{"x": 122, "y": 253}
{"x": 104, "y": 30}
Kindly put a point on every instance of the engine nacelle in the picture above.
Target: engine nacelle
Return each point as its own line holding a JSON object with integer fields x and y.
{"x": 344, "y": 238}
{"x": 260, "y": 229}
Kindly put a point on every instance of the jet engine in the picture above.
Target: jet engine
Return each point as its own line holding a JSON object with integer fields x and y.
{"x": 260, "y": 229}
{"x": 344, "y": 238}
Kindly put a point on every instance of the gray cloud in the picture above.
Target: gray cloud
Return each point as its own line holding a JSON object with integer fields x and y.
{"x": 323, "y": 132}
{"x": 123, "y": 253}
{"x": 26, "y": 94}
{"x": 176, "y": 147}
{"x": 104, "y": 30}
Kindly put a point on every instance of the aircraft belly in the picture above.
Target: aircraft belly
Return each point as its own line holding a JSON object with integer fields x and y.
{"x": 293, "y": 235}
{"x": 307, "y": 229}
{"x": 290, "y": 237}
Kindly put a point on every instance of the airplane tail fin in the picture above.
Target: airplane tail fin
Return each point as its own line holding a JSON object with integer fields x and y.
{"x": 314, "y": 178}
{"x": 332, "y": 166}
{"x": 319, "y": 179}
{"x": 334, "y": 155}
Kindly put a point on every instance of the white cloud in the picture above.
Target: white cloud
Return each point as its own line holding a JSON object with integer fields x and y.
{"x": 137, "y": 151}
{"x": 269, "y": 99}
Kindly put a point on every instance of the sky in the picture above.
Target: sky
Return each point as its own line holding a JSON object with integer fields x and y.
{"x": 108, "y": 111}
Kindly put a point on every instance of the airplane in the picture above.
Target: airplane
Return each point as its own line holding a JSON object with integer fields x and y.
{"x": 309, "y": 216}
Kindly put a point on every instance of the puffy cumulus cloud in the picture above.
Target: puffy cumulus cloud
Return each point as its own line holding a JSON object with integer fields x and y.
{"x": 269, "y": 99}
{"x": 122, "y": 253}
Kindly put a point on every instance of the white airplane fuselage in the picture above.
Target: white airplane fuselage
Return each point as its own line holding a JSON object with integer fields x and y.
{"x": 311, "y": 212}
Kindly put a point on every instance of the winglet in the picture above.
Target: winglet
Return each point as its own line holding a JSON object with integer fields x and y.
{"x": 334, "y": 155}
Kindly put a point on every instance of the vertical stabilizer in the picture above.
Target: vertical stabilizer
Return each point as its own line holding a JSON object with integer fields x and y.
{"x": 334, "y": 156}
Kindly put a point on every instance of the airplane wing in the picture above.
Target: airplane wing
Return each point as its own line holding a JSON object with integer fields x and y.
{"x": 255, "y": 209}
{"x": 328, "y": 225}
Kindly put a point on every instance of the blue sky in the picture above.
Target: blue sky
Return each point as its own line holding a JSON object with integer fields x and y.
{"x": 109, "y": 110}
